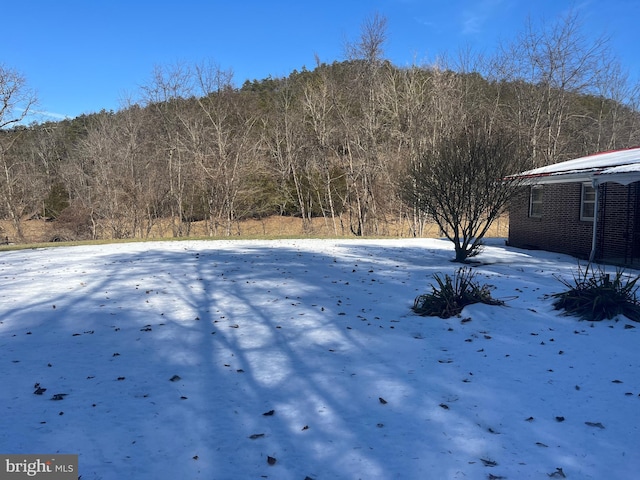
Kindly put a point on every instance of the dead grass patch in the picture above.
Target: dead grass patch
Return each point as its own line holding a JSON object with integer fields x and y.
{"x": 41, "y": 231}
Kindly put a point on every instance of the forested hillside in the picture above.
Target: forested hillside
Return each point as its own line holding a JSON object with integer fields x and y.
{"x": 335, "y": 141}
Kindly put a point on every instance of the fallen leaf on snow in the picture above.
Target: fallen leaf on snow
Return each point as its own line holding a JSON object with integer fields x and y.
{"x": 594, "y": 424}
{"x": 557, "y": 474}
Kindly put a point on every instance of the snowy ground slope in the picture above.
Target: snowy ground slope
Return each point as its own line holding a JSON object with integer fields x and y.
{"x": 166, "y": 357}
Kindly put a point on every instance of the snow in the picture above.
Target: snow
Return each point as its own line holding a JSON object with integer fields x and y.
{"x": 630, "y": 168}
{"x": 623, "y": 174}
{"x": 630, "y": 156}
{"x": 169, "y": 355}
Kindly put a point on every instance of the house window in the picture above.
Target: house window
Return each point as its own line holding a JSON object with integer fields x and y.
{"x": 535, "y": 201}
{"x": 587, "y": 202}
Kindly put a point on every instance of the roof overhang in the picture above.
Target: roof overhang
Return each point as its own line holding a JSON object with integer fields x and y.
{"x": 625, "y": 174}
{"x": 619, "y": 166}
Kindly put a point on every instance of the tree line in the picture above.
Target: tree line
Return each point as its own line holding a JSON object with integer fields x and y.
{"x": 342, "y": 141}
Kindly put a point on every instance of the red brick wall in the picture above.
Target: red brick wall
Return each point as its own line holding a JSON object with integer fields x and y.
{"x": 560, "y": 229}
{"x": 617, "y": 220}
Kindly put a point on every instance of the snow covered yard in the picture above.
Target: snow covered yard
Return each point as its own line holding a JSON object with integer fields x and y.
{"x": 302, "y": 359}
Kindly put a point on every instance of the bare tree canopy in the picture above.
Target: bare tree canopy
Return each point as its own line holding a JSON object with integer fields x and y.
{"x": 361, "y": 146}
{"x": 460, "y": 184}
{"x": 16, "y": 98}
{"x": 370, "y": 45}
{"x": 545, "y": 68}
{"x": 20, "y": 181}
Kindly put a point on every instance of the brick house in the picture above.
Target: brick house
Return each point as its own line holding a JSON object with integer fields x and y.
{"x": 588, "y": 207}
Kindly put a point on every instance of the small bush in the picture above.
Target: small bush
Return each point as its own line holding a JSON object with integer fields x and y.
{"x": 594, "y": 295}
{"x": 452, "y": 294}
{"x": 73, "y": 223}
{"x": 56, "y": 201}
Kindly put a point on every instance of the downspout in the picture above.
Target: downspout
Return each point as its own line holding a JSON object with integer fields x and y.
{"x": 596, "y": 208}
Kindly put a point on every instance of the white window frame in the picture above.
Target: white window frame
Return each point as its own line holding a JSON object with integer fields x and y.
{"x": 587, "y": 197}
{"x": 535, "y": 206}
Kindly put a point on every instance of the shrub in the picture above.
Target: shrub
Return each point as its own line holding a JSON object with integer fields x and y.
{"x": 73, "y": 223}
{"x": 594, "y": 295}
{"x": 56, "y": 201}
{"x": 452, "y": 294}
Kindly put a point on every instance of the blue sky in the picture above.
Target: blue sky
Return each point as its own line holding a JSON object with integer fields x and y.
{"x": 85, "y": 55}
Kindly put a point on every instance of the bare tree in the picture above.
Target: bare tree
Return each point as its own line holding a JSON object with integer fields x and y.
{"x": 362, "y": 123}
{"x": 165, "y": 95}
{"x": 16, "y": 98}
{"x": 146, "y": 180}
{"x": 462, "y": 185}
{"x": 370, "y": 45}
{"x": 633, "y": 121}
{"x": 319, "y": 92}
{"x": 100, "y": 180}
{"x": 424, "y": 104}
{"x": 611, "y": 115}
{"x": 546, "y": 67}
{"x": 285, "y": 139}
{"x": 16, "y": 101}
{"x": 223, "y": 142}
